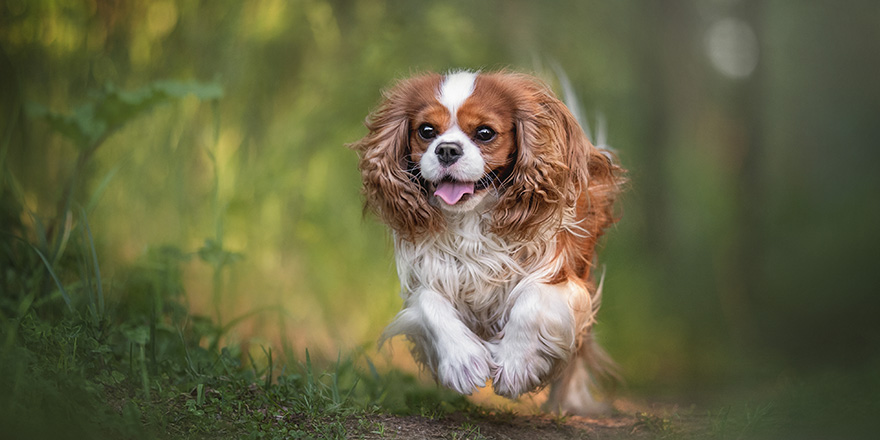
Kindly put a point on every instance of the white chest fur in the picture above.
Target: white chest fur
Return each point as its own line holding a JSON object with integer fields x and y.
{"x": 472, "y": 268}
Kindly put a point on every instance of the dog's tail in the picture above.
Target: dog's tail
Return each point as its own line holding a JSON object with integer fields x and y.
{"x": 599, "y": 139}
{"x": 590, "y": 370}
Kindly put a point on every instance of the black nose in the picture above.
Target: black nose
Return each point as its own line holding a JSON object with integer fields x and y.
{"x": 448, "y": 153}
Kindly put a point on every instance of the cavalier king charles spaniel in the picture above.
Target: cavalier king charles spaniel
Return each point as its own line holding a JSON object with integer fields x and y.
{"x": 496, "y": 200}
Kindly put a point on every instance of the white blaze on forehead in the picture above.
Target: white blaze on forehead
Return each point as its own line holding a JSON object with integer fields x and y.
{"x": 454, "y": 180}
{"x": 455, "y": 89}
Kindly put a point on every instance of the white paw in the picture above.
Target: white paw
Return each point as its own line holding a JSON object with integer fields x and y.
{"x": 465, "y": 368}
{"x": 518, "y": 371}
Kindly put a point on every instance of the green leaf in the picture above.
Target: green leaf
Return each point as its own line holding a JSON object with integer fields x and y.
{"x": 213, "y": 253}
{"x": 111, "y": 108}
{"x": 117, "y": 377}
{"x": 139, "y": 335}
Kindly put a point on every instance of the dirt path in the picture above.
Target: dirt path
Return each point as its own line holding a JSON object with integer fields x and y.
{"x": 505, "y": 426}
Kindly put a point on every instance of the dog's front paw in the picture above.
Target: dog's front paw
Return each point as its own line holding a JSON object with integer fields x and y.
{"x": 465, "y": 368}
{"x": 518, "y": 372}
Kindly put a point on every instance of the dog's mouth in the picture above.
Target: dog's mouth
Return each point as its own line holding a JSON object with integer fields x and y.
{"x": 454, "y": 191}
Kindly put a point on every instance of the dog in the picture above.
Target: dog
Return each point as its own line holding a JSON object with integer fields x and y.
{"x": 496, "y": 200}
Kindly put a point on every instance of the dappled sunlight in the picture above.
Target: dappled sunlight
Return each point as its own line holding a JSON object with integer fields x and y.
{"x": 732, "y": 47}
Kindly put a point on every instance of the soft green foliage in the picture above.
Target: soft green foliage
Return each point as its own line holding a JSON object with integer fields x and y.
{"x": 140, "y": 365}
{"x": 111, "y": 108}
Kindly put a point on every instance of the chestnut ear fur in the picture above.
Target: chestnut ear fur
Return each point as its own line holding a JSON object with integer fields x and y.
{"x": 555, "y": 167}
{"x": 391, "y": 191}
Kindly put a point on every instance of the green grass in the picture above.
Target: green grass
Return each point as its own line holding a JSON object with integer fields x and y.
{"x": 143, "y": 367}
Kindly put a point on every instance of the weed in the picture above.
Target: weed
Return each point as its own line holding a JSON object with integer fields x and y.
{"x": 374, "y": 427}
{"x": 560, "y": 419}
{"x": 662, "y": 426}
{"x": 468, "y": 431}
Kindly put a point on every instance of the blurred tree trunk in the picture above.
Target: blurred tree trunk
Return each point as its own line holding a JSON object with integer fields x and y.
{"x": 668, "y": 80}
{"x": 741, "y": 278}
{"x": 658, "y": 57}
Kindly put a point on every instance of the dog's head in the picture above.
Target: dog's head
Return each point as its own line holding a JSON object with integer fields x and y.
{"x": 501, "y": 143}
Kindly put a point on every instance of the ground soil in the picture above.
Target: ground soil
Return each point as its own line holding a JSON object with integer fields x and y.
{"x": 458, "y": 426}
{"x": 637, "y": 424}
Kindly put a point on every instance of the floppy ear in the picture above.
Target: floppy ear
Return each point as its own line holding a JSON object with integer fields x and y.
{"x": 551, "y": 168}
{"x": 605, "y": 181}
{"x": 391, "y": 190}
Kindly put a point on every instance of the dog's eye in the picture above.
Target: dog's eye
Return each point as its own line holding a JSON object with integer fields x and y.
{"x": 484, "y": 134}
{"x": 426, "y": 131}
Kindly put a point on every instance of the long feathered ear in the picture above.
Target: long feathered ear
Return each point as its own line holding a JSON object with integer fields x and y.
{"x": 391, "y": 190}
{"x": 551, "y": 168}
{"x": 605, "y": 181}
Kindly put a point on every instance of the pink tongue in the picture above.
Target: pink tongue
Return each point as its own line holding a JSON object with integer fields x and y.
{"x": 451, "y": 192}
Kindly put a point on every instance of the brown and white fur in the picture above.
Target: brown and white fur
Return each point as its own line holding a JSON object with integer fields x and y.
{"x": 496, "y": 200}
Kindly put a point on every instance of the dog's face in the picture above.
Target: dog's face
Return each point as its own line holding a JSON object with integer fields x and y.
{"x": 463, "y": 142}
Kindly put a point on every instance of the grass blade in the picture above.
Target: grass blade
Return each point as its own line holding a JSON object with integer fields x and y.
{"x": 310, "y": 379}
{"x": 99, "y": 191}
{"x": 98, "y": 280}
{"x": 54, "y": 277}
{"x": 270, "y": 368}
{"x": 334, "y": 390}
{"x": 86, "y": 279}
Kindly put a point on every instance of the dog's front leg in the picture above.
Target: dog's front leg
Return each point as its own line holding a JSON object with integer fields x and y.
{"x": 455, "y": 355}
{"x": 538, "y": 337}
